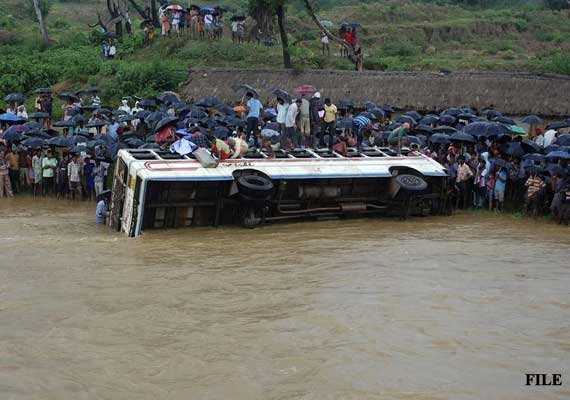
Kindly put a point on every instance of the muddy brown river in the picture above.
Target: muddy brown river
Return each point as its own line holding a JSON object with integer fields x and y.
{"x": 430, "y": 308}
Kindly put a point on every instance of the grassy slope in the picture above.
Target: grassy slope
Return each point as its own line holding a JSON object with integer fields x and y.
{"x": 397, "y": 35}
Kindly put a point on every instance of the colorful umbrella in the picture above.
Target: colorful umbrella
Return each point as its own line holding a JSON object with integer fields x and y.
{"x": 305, "y": 90}
{"x": 517, "y": 130}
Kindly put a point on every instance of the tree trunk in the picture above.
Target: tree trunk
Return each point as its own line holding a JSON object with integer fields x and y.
{"x": 283, "y": 33}
{"x": 139, "y": 10}
{"x": 154, "y": 13}
{"x": 356, "y": 57}
{"x": 41, "y": 21}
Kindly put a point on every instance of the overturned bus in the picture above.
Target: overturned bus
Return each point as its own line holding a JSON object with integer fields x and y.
{"x": 154, "y": 189}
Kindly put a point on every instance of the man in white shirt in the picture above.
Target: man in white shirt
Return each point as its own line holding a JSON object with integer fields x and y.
{"x": 209, "y": 21}
{"x": 282, "y": 107}
{"x": 291, "y": 134}
{"x": 539, "y": 139}
{"x": 74, "y": 176}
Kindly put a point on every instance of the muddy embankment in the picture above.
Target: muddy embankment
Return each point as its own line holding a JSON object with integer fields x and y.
{"x": 512, "y": 93}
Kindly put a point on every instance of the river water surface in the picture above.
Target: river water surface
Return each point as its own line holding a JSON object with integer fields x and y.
{"x": 431, "y": 308}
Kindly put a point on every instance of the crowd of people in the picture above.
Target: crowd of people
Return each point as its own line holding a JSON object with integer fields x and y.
{"x": 199, "y": 22}
{"x": 492, "y": 162}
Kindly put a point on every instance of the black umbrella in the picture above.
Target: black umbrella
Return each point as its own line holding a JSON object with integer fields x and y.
{"x": 533, "y": 169}
{"x": 551, "y": 148}
{"x": 83, "y": 132}
{"x": 444, "y": 129}
{"x": 369, "y": 105}
{"x": 466, "y": 117}
{"x": 43, "y": 91}
{"x": 388, "y": 109}
{"x": 515, "y": 149}
{"x": 198, "y": 113}
{"x": 65, "y": 124}
{"x": 89, "y": 108}
{"x": 452, "y": 111}
{"x": 406, "y": 119}
{"x": 530, "y": 147}
{"x": 462, "y": 137}
{"x": 129, "y": 135}
{"x": 563, "y": 140}
{"x": 34, "y": 142}
{"x": 68, "y": 96}
{"x": 77, "y": 139}
{"x": 505, "y": 120}
{"x": 15, "y": 98}
{"x": 559, "y": 125}
{"x": 563, "y": 155}
{"x": 224, "y": 108}
{"x": 38, "y": 134}
{"x": 429, "y": 119}
{"x": 102, "y": 112}
{"x": 147, "y": 103}
{"x": 486, "y": 129}
{"x": 556, "y": 169}
{"x": 142, "y": 114}
{"x": 12, "y": 136}
{"x": 533, "y": 120}
{"x": 165, "y": 122}
{"x": 281, "y": 94}
{"x": 534, "y": 157}
{"x": 492, "y": 114}
{"x": 428, "y": 130}
{"x": 439, "y": 138}
{"x": 38, "y": 115}
{"x": 134, "y": 142}
{"x": 221, "y": 133}
{"x": 269, "y": 116}
{"x": 87, "y": 91}
{"x": 79, "y": 149}
{"x": 414, "y": 114}
{"x": 233, "y": 121}
{"x": 378, "y": 112}
{"x": 31, "y": 125}
{"x": 60, "y": 141}
{"x": 208, "y": 102}
{"x": 155, "y": 117}
{"x": 243, "y": 89}
{"x": 94, "y": 143}
{"x": 345, "y": 104}
{"x": 447, "y": 119}
{"x": 168, "y": 98}
{"x": 79, "y": 119}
